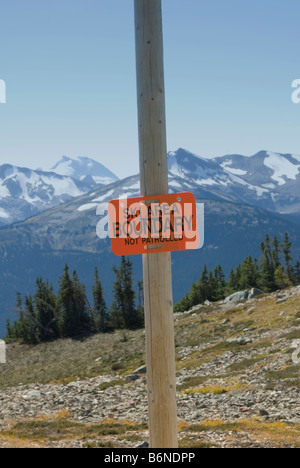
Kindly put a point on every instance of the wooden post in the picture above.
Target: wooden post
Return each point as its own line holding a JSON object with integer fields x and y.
{"x": 161, "y": 374}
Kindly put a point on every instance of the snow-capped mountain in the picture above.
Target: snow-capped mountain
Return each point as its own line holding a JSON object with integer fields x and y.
{"x": 276, "y": 178}
{"x": 25, "y": 192}
{"x": 268, "y": 180}
{"x": 42, "y": 245}
{"x": 84, "y": 169}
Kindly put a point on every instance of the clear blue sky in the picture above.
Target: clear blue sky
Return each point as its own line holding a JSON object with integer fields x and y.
{"x": 69, "y": 68}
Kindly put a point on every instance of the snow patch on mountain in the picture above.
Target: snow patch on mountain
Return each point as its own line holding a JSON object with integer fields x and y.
{"x": 295, "y": 156}
{"x": 66, "y": 186}
{"x": 106, "y": 196}
{"x": 282, "y": 167}
{"x": 83, "y": 168}
{"x": 259, "y": 190}
{"x": 203, "y": 172}
{"x": 227, "y": 166}
{"x": 4, "y": 214}
{"x": 87, "y": 206}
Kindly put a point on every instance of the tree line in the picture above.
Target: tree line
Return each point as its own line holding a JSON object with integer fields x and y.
{"x": 274, "y": 270}
{"x": 46, "y": 316}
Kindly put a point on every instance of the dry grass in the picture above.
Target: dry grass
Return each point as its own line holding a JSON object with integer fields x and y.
{"x": 277, "y": 434}
{"x": 61, "y": 431}
{"x": 66, "y": 360}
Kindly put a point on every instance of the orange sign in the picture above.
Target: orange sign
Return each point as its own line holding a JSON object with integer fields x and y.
{"x": 161, "y": 223}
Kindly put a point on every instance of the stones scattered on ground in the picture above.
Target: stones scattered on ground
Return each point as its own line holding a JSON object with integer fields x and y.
{"x": 241, "y": 382}
{"x": 248, "y": 393}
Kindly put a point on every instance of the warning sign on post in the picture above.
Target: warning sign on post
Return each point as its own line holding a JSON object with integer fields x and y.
{"x": 161, "y": 223}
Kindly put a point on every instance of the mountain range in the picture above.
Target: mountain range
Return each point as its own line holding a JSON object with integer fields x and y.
{"x": 244, "y": 199}
{"x": 267, "y": 180}
{"x": 25, "y": 192}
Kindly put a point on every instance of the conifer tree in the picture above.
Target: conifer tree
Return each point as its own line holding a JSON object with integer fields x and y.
{"x": 286, "y": 251}
{"x": 216, "y": 284}
{"x": 81, "y": 317}
{"x": 249, "y": 274}
{"x": 276, "y": 252}
{"x": 267, "y": 282}
{"x": 46, "y": 311}
{"x": 238, "y": 274}
{"x": 65, "y": 301}
{"x": 194, "y": 297}
{"x": 73, "y": 304}
{"x": 203, "y": 285}
{"x": 281, "y": 279}
{"x": 232, "y": 283}
{"x": 29, "y": 327}
{"x": 100, "y": 315}
{"x": 123, "y": 309}
{"x": 211, "y": 293}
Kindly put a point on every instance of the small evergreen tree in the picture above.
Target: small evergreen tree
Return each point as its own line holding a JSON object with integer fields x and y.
{"x": 216, "y": 284}
{"x": 286, "y": 251}
{"x": 238, "y": 275}
{"x": 194, "y": 297}
{"x": 232, "y": 283}
{"x": 29, "y": 329}
{"x": 82, "y": 318}
{"x": 46, "y": 313}
{"x": 65, "y": 303}
{"x": 73, "y": 305}
{"x": 204, "y": 285}
{"x": 123, "y": 312}
{"x": 276, "y": 252}
{"x": 249, "y": 275}
{"x": 281, "y": 279}
{"x": 267, "y": 281}
{"x": 100, "y": 315}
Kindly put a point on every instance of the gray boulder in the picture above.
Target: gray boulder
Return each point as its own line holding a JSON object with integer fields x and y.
{"x": 295, "y": 344}
{"x": 32, "y": 395}
{"x": 142, "y": 445}
{"x": 132, "y": 378}
{"x": 241, "y": 340}
{"x": 140, "y": 370}
{"x": 237, "y": 297}
{"x": 255, "y": 292}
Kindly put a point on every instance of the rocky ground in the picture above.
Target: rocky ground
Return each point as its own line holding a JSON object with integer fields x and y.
{"x": 238, "y": 385}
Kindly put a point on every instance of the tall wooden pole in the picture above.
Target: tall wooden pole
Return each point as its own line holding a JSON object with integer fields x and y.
{"x": 159, "y": 323}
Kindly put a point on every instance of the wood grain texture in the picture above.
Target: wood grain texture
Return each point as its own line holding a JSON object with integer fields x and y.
{"x": 160, "y": 346}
